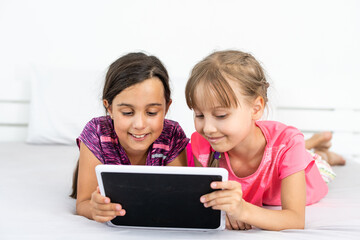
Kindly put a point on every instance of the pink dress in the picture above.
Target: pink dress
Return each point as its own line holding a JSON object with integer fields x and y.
{"x": 284, "y": 154}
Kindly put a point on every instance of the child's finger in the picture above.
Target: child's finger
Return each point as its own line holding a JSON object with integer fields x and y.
{"x": 236, "y": 225}
{"x": 121, "y": 212}
{"x": 214, "y": 195}
{"x": 108, "y": 214}
{"x": 102, "y": 213}
{"x": 109, "y": 207}
{"x": 241, "y": 225}
{"x": 235, "y": 194}
{"x": 103, "y": 219}
{"x": 248, "y": 226}
{"x": 222, "y": 207}
{"x": 96, "y": 197}
{"x": 219, "y": 202}
{"x": 225, "y": 185}
{"x": 231, "y": 224}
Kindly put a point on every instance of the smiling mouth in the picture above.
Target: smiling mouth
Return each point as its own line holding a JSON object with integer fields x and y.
{"x": 213, "y": 139}
{"x": 138, "y": 136}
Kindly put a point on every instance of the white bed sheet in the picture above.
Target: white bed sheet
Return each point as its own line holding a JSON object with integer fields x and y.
{"x": 35, "y": 182}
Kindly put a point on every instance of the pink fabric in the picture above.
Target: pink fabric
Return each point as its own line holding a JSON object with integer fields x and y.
{"x": 108, "y": 139}
{"x": 162, "y": 146}
{"x": 285, "y": 154}
{"x": 190, "y": 156}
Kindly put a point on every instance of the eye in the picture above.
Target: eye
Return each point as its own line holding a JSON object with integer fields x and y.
{"x": 221, "y": 116}
{"x": 152, "y": 113}
{"x": 198, "y": 114}
{"x": 127, "y": 113}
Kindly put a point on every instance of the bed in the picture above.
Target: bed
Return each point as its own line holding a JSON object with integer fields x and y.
{"x": 36, "y": 182}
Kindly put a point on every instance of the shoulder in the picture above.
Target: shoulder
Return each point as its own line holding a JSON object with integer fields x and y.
{"x": 171, "y": 124}
{"x": 277, "y": 133}
{"x": 100, "y": 137}
{"x": 99, "y": 121}
{"x": 100, "y": 124}
{"x": 171, "y": 133}
{"x": 172, "y": 129}
{"x": 199, "y": 141}
{"x": 97, "y": 128}
{"x": 200, "y": 146}
{"x": 285, "y": 146}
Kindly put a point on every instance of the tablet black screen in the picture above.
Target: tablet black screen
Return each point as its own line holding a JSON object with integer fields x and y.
{"x": 162, "y": 200}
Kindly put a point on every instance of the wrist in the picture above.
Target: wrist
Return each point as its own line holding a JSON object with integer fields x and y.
{"x": 244, "y": 211}
{"x": 84, "y": 208}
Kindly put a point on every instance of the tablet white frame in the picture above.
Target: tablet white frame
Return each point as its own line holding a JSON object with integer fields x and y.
{"x": 162, "y": 170}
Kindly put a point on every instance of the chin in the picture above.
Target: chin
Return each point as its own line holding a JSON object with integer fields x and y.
{"x": 219, "y": 148}
{"x": 142, "y": 146}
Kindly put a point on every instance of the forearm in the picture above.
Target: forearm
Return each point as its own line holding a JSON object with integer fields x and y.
{"x": 272, "y": 219}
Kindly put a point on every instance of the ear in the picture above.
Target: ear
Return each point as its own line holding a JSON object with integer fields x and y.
{"x": 168, "y": 106}
{"x": 107, "y": 106}
{"x": 258, "y": 108}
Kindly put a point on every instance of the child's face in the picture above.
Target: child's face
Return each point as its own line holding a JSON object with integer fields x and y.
{"x": 225, "y": 128}
{"x": 138, "y": 113}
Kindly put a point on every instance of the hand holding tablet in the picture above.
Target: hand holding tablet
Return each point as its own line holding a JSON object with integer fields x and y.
{"x": 162, "y": 197}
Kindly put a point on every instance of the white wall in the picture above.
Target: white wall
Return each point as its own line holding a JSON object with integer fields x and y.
{"x": 309, "y": 49}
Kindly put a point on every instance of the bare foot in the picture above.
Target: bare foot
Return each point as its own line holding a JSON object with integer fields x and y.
{"x": 332, "y": 158}
{"x": 335, "y": 159}
{"x": 319, "y": 140}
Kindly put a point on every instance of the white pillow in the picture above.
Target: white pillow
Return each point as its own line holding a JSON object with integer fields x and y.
{"x": 63, "y": 100}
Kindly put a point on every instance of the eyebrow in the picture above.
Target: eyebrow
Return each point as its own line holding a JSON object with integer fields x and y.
{"x": 220, "y": 108}
{"x": 130, "y": 105}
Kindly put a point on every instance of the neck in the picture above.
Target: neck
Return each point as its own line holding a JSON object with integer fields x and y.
{"x": 251, "y": 149}
{"x": 137, "y": 158}
{"x": 246, "y": 158}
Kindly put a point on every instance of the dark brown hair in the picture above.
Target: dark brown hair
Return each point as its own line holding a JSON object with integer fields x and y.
{"x": 212, "y": 75}
{"x": 132, "y": 69}
{"x": 128, "y": 70}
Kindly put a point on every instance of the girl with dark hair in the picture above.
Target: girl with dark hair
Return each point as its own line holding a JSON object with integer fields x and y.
{"x": 136, "y": 97}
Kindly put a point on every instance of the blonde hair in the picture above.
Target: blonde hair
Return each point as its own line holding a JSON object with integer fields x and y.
{"x": 214, "y": 70}
{"x": 213, "y": 73}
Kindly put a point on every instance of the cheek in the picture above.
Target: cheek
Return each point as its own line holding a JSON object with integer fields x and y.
{"x": 237, "y": 125}
{"x": 121, "y": 126}
{"x": 157, "y": 124}
{"x": 198, "y": 125}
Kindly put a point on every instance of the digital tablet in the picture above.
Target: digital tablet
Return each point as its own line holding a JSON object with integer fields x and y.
{"x": 162, "y": 197}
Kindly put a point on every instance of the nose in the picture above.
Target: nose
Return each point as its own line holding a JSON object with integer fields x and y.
{"x": 209, "y": 127}
{"x": 139, "y": 121}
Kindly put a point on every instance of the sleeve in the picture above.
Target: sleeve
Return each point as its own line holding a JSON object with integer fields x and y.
{"x": 201, "y": 148}
{"x": 294, "y": 157}
{"x": 189, "y": 155}
{"x": 91, "y": 139}
{"x": 178, "y": 142}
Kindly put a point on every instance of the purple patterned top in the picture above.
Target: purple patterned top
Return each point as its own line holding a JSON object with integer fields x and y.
{"x": 100, "y": 137}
